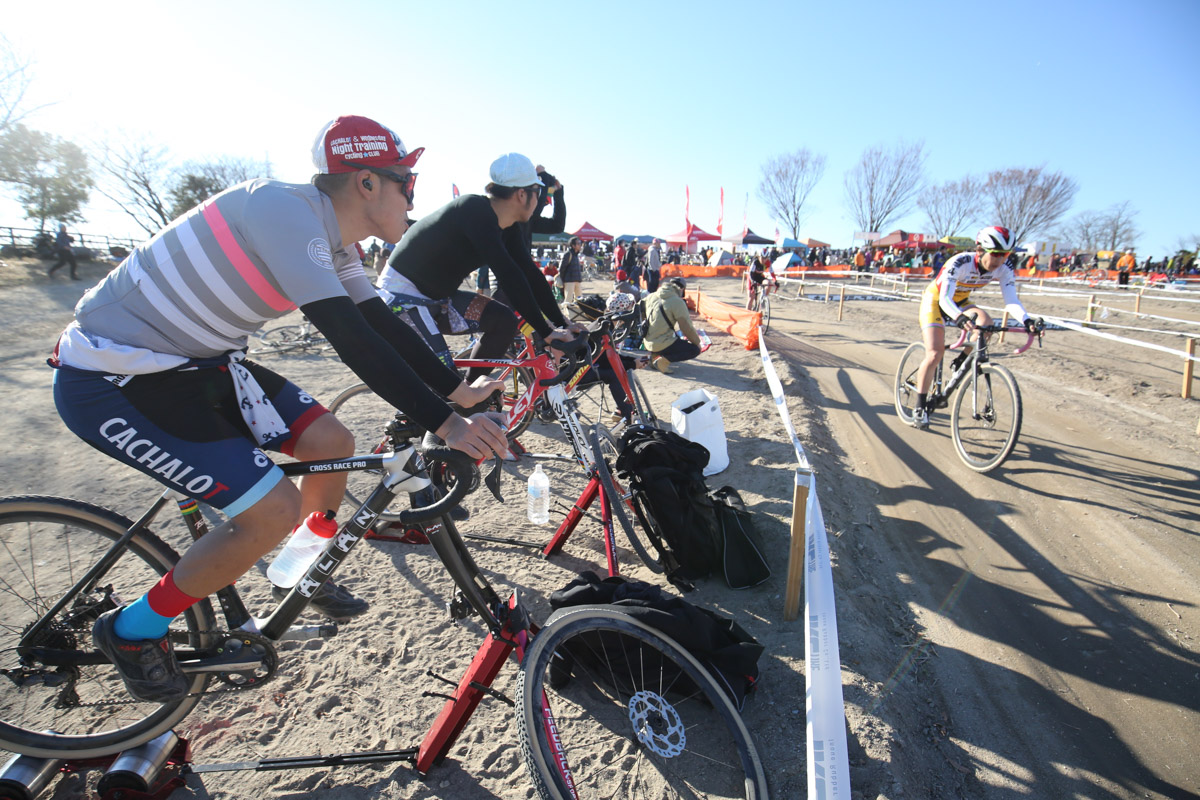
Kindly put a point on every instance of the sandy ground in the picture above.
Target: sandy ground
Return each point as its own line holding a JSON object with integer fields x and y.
{"x": 1028, "y": 633}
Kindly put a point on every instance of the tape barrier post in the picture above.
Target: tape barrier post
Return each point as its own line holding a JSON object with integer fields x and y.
{"x": 796, "y": 551}
{"x": 1190, "y": 349}
{"x": 841, "y": 302}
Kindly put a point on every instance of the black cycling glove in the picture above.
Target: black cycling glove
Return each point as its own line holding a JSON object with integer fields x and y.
{"x": 1034, "y": 325}
{"x": 962, "y": 321}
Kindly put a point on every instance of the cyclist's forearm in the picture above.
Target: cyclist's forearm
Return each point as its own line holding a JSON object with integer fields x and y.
{"x": 373, "y": 359}
{"x": 409, "y": 343}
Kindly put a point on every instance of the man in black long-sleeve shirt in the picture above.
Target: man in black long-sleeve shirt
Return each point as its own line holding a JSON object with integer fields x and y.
{"x": 424, "y": 272}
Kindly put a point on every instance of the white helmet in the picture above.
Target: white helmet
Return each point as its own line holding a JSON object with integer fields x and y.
{"x": 620, "y": 303}
{"x": 996, "y": 238}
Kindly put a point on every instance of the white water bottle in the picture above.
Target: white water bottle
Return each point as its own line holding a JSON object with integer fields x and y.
{"x": 539, "y": 497}
{"x": 306, "y": 543}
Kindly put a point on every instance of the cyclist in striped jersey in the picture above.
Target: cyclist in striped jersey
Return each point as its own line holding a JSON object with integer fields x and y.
{"x": 152, "y": 370}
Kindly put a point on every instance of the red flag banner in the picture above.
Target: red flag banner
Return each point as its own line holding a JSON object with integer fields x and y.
{"x": 721, "y": 219}
{"x": 687, "y": 206}
{"x": 454, "y": 189}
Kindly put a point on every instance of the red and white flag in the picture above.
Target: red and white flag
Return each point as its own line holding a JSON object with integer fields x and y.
{"x": 454, "y": 189}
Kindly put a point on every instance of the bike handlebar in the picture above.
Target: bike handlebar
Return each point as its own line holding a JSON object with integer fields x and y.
{"x": 996, "y": 327}
{"x": 466, "y": 479}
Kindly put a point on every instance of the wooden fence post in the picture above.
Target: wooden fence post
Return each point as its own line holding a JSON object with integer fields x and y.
{"x": 841, "y": 302}
{"x": 1137, "y": 301}
{"x": 1090, "y": 310}
{"x": 1188, "y": 364}
{"x": 828, "y": 290}
{"x": 795, "y": 572}
{"x": 1004, "y": 325}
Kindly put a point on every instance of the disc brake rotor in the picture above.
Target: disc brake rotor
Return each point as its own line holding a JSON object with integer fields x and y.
{"x": 657, "y": 724}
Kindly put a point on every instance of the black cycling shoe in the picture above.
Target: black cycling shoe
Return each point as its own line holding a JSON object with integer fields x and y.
{"x": 331, "y": 600}
{"x": 148, "y": 667}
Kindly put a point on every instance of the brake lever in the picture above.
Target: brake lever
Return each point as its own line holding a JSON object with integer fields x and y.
{"x": 492, "y": 479}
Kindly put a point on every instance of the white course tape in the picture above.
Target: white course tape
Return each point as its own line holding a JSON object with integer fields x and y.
{"x": 1071, "y": 326}
{"x": 777, "y": 393}
{"x": 828, "y": 766}
{"x": 825, "y": 710}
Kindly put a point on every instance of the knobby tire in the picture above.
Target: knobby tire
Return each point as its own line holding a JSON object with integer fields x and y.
{"x": 634, "y": 715}
{"x": 46, "y": 545}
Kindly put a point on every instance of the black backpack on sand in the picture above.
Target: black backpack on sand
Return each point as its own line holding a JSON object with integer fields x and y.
{"x": 727, "y": 651}
{"x": 742, "y": 559}
{"x": 665, "y": 474}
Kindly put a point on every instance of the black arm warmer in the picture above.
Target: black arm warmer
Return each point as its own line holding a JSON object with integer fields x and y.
{"x": 371, "y": 357}
{"x": 557, "y": 222}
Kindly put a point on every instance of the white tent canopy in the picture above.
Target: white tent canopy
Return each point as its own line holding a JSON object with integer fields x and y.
{"x": 785, "y": 261}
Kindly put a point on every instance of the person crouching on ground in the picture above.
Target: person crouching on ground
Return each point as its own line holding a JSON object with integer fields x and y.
{"x": 666, "y": 311}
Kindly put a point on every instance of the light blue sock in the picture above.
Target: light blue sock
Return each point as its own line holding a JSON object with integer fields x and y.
{"x": 137, "y": 621}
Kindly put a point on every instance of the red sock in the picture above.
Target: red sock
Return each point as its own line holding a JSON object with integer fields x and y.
{"x": 168, "y": 600}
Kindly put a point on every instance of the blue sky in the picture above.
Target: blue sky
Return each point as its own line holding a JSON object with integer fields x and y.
{"x": 629, "y": 103}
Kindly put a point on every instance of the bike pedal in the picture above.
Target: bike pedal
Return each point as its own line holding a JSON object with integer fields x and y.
{"x": 458, "y": 606}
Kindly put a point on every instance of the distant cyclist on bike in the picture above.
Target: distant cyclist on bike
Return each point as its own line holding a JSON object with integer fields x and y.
{"x": 421, "y": 281}
{"x": 947, "y": 296}
{"x": 759, "y": 275}
{"x": 151, "y": 372}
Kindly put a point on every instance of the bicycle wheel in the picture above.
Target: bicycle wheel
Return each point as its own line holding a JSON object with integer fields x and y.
{"x": 641, "y": 403}
{"x": 283, "y": 339}
{"x": 986, "y": 418}
{"x": 46, "y": 545}
{"x": 766, "y": 311}
{"x": 628, "y": 713}
{"x": 906, "y": 389}
{"x": 618, "y": 499}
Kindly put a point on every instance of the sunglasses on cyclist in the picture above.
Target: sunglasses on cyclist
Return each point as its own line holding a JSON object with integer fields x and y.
{"x": 407, "y": 182}
{"x": 1005, "y": 253}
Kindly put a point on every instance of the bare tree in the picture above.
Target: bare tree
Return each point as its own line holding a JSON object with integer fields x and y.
{"x": 195, "y": 182}
{"x": 1082, "y": 232}
{"x": 1117, "y": 229}
{"x": 15, "y": 80}
{"x": 137, "y": 178}
{"x": 786, "y": 183}
{"x": 884, "y": 184}
{"x": 1029, "y": 201}
{"x": 952, "y": 206}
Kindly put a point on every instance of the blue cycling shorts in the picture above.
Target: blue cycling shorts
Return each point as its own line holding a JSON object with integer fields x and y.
{"x": 183, "y": 428}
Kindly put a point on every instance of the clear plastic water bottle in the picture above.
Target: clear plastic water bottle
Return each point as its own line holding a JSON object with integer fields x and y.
{"x": 306, "y": 543}
{"x": 539, "y": 497}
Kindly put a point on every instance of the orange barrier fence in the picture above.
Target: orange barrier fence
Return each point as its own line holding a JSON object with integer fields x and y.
{"x": 701, "y": 271}
{"x": 737, "y": 322}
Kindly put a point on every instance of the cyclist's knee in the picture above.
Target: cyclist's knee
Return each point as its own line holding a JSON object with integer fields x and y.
{"x": 326, "y": 437}
{"x": 498, "y": 320}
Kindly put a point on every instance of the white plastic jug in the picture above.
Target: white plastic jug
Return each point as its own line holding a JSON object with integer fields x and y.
{"x": 696, "y": 416}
